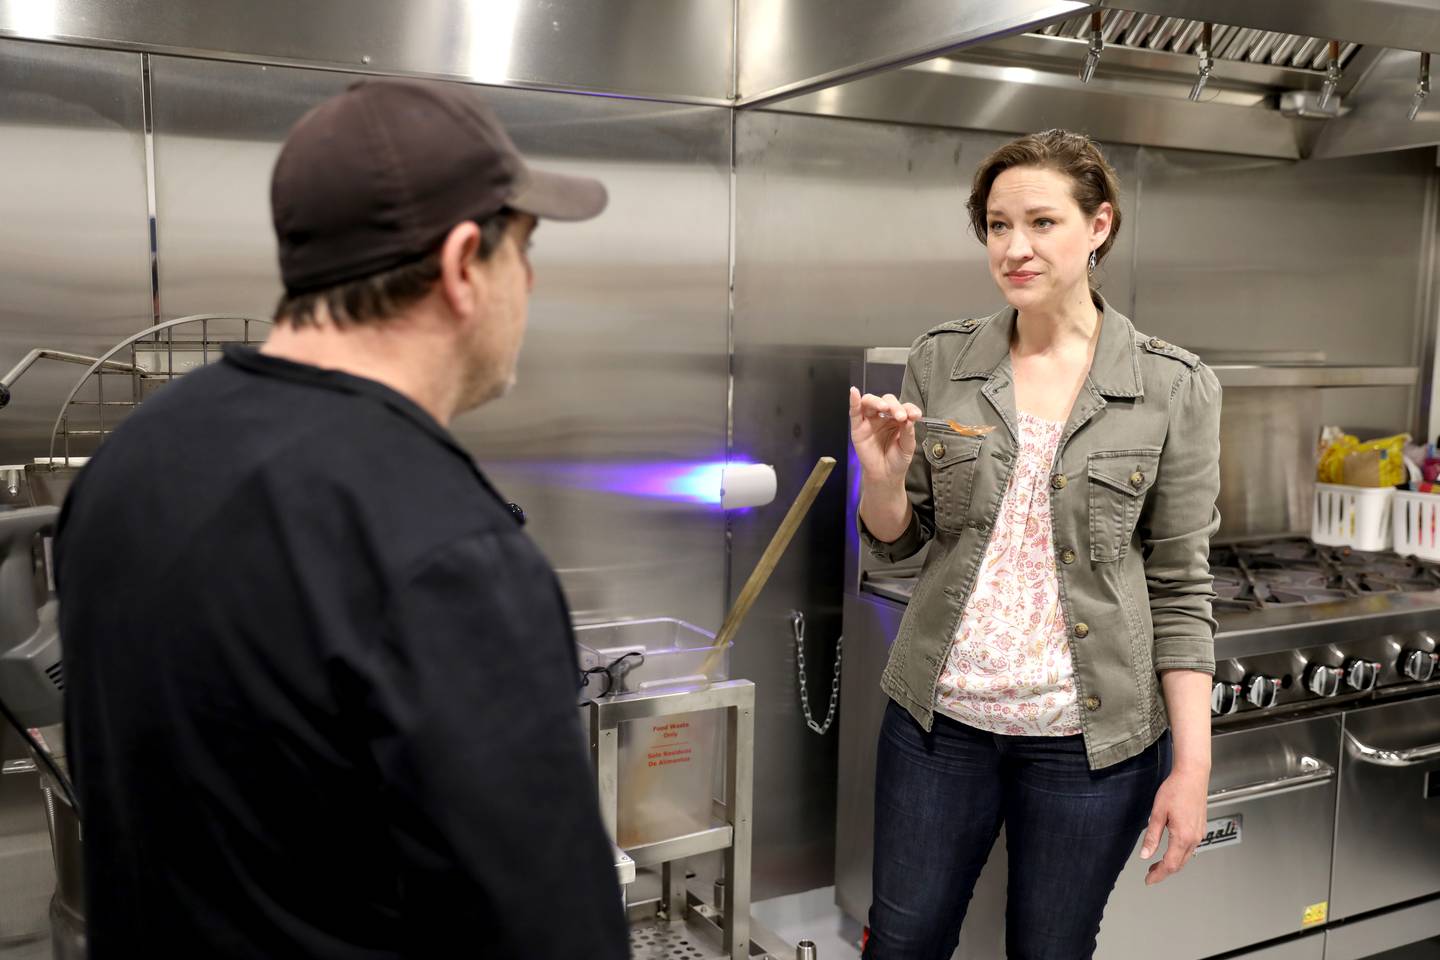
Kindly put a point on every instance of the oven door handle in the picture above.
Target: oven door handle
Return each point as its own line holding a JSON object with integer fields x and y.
{"x": 1392, "y": 758}
{"x": 1312, "y": 773}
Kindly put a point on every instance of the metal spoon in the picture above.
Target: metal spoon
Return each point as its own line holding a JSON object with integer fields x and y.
{"x": 939, "y": 423}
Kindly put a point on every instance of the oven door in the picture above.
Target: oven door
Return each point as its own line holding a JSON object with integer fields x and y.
{"x": 1388, "y": 830}
{"x": 1265, "y": 870}
{"x": 1405, "y": 933}
{"x": 1311, "y": 946}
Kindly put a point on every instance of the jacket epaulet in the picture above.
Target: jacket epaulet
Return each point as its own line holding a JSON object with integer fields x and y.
{"x": 1166, "y": 349}
{"x": 957, "y": 326}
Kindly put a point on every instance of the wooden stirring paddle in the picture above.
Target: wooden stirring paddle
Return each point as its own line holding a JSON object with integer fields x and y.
{"x": 769, "y": 559}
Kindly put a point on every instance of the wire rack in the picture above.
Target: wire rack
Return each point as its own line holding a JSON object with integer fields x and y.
{"x": 132, "y": 370}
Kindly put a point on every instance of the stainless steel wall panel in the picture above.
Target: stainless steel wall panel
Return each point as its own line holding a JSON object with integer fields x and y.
{"x": 650, "y": 48}
{"x": 848, "y": 235}
{"x": 1257, "y": 255}
{"x": 74, "y": 261}
{"x": 74, "y": 251}
{"x": 623, "y": 378}
{"x": 788, "y": 47}
{"x": 1267, "y": 463}
{"x": 856, "y": 234}
{"x": 218, "y": 130}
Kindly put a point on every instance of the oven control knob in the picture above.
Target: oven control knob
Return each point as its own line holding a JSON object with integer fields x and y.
{"x": 1419, "y": 664}
{"x": 1361, "y": 674}
{"x": 1261, "y": 691}
{"x": 1323, "y": 681}
{"x": 1224, "y": 698}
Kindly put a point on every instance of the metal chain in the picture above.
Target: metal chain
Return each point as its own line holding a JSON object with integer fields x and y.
{"x": 797, "y": 624}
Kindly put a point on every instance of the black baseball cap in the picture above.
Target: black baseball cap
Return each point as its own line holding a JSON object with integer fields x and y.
{"x": 377, "y": 176}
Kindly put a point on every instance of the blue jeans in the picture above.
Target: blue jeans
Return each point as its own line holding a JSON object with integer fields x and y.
{"x": 940, "y": 798}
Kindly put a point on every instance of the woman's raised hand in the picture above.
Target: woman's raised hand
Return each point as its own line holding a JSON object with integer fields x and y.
{"x": 883, "y": 432}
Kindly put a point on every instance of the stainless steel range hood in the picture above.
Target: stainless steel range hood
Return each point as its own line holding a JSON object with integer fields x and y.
{"x": 1378, "y": 121}
{"x": 1270, "y": 63}
{"x": 1399, "y": 24}
{"x": 1131, "y": 30}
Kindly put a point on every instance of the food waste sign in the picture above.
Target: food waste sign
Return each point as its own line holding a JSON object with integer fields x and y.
{"x": 670, "y": 744}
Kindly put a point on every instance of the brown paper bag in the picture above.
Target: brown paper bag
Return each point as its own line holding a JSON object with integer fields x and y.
{"x": 1362, "y": 469}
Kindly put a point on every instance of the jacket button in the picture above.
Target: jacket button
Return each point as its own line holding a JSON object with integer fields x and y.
{"x": 1136, "y": 479}
{"x": 1058, "y": 481}
{"x": 938, "y": 450}
{"x": 1158, "y": 344}
{"x": 1067, "y": 555}
{"x": 1082, "y": 630}
{"x": 1092, "y": 703}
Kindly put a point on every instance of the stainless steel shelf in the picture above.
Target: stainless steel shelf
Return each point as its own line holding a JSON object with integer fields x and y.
{"x": 679, "y": 848}
{"x": 1276, "y": 373}
{"x": 896, "y": 355}
{"x": 1303, "y": 375}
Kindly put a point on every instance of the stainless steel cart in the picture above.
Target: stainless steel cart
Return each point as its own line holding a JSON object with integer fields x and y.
{"x": 682, "y": 923}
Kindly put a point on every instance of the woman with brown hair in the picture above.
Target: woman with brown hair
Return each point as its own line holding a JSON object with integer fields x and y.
{"x": 1052, "y": 671}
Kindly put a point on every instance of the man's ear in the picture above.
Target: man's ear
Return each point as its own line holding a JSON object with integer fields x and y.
{"x": 459, "y": 267}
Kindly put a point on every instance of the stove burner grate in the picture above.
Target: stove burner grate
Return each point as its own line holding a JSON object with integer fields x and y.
{"x": 1290, "y": 571}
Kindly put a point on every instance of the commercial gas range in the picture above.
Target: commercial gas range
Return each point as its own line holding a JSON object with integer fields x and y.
{"x": 1324, "y": 814}
{"x": 1324, "y": 810}
{"x": 1304, "y": 626}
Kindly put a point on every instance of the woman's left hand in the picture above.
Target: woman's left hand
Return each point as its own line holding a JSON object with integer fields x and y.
{"x": 1180, "y": 808}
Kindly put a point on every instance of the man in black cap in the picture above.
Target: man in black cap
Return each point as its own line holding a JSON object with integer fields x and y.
{"x": 321, "y": 686}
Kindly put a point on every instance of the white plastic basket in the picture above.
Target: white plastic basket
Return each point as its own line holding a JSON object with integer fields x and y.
{"x": 1357, "y": 517}
{"x": 1417, "y": 524}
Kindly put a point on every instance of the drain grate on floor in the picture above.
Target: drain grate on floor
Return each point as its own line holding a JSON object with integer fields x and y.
{"x": 656, "y": 940}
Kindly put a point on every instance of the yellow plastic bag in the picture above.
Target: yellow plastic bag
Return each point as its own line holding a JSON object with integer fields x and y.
{"x": 1374, "y": 463}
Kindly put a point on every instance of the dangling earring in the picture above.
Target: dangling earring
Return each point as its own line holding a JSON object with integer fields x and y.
{"x": 1092, "y": 261}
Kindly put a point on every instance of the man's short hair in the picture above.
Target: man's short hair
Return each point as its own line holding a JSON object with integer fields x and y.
{"x": 381, "y": 296}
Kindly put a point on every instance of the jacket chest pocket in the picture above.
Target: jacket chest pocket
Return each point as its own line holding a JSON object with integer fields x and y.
{"x": 1119, "y": 480}
{"x": 952, "y": 461}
